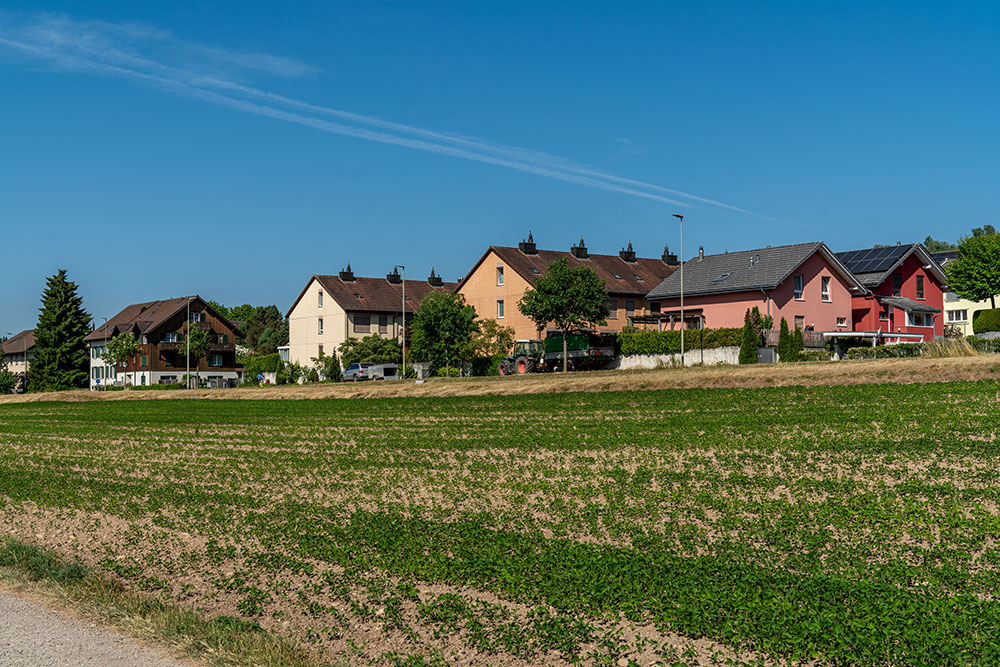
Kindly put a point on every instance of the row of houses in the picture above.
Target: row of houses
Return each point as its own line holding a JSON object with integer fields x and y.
{"x": 889, "y": 293}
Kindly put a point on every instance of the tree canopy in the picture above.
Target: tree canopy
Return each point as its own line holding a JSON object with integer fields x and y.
{"x": 264, "y": 327}
{"x": 442, "y": 328}
{"x": 61, "y": 360}
{"x": 491, "y": 339}
{"x": 933, "y": 245}
{"x": 196, "y": 347}
{"x": 569, "y": 297}
{"x": 372, "y": 349}
{"x": 975, "y": 275}
{"x": 120, "y": 349}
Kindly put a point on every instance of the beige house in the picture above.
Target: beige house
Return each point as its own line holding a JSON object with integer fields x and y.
{"x": 18, "y": 351}
{"x": 501, "y": 276}
{"x": 331, "y": 309}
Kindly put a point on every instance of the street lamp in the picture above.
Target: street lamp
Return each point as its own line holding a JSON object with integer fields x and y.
{"x": 105, "y": 349}
{"x": 403, "y": 314}
{"x": 187, "y": 346}
{"x": 681, "y": 218}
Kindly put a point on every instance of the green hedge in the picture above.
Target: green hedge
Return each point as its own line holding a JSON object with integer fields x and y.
{"x": 984, "y": 344}
{"x": 986, "y": 320}
{"x": 669, "y": 342}
{"x": 815, "y": 355}
{"x": 265, "y": 363}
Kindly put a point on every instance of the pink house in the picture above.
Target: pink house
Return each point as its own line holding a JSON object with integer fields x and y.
{"x": 805, "y": 284}
{"x": 904, "y": 290}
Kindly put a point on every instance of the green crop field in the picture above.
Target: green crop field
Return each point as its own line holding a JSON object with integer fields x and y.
{"x": 829, "y": 525}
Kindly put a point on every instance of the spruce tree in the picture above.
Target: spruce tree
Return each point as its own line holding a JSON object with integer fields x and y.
{"x": 61, "y": 359}
{"x": 798, "y": 346}
{"x": 783, "y": 351}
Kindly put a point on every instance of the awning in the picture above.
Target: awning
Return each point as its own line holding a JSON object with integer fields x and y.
{"x": 909, "y": 305}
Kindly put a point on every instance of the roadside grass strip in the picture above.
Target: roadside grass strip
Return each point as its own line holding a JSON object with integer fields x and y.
{"x": 855, "y": 525}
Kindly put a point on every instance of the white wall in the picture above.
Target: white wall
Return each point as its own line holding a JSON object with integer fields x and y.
{"x": 712, "y": 356}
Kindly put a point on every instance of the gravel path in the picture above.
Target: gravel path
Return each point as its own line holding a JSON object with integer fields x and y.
{"x": 32, "y": 635}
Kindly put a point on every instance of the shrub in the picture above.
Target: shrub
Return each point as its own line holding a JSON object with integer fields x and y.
{"x": 450, "y": 372}
{"x": 986, "y": 320}
{"x": 783, "y": 341}
{"x": 898, "y": 351}
{"x": 984, "y": 344}
{"x": 669, "y": 342}
{"x": 815, "y": 355}
{"x": 266, "y": 363}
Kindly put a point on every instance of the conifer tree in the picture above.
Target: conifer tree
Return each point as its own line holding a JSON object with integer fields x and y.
{"x": 798, "y": 346}
{"x": 61, "y": 359}
{"x": 783, "y": 351}
{"x": 748, "y": 342}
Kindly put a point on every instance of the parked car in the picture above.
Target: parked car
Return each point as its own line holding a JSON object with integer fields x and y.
{"x": 384, "y": 372}
{"x": 355, "y": 372}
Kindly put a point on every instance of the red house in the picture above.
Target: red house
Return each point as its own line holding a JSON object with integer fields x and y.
{"x": 904, "y": 290}
{"x": 804, "y": 283}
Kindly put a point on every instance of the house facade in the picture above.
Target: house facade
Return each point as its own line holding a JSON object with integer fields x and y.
{"x": 496, "y": 283}
{"x": 331, "y": 309}
{"x": 805, "y": 284}
{"x": 161, "y": 329}
{"x": 18, "y": 351}
{"x": 904, "y": 291}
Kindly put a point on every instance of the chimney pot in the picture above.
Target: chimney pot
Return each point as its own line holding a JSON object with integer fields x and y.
{"x": 394, "y": 277}
{"x": 701, "y": 252}
{"x": 434, "y": 280}
{"x": 346, "y": 274}
{"x": 627, "y": 255}
{"x": 579, "y": 251}
{"x": 668, "y": 259}
{"x": 528, "y": 247}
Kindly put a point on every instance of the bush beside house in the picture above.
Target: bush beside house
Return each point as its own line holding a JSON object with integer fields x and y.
{"x": 986, "y": 320}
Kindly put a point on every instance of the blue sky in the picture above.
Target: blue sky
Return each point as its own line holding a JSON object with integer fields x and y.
{"x": 234, "y": 149}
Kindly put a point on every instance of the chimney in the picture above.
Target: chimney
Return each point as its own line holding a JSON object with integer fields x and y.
{"x": 528, "y": 247}
{"x": 433, "y": 280}
{"x": 346, "y": 274}
{"x": 393, "y": 277}
{"x": 668, "y": 259}
{"x": 579, "y": 251}
{"x": 627, "y": 255}
{"x": 701, "y": 252}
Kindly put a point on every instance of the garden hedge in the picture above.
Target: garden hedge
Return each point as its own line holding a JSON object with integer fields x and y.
{"x": 986, "y": 320}
{"x": 669, "y": 342}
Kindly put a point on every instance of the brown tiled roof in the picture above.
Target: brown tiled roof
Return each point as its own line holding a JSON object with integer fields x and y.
{"x": 146, "y": 317}
{"x": 15, "y": 344}
{"x": 377, "y": 294}
{"x": 620, "y": 277}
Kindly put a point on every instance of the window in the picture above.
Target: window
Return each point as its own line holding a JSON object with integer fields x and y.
{"x": 215, "y": 360}
{"x": 362, "y": 323}
{"x": 225, "y": 339}
{"x": 321, "y": 326}
{"x": 825, "y": 288}
{"x": 638, "y": 277}
{"x": 797, "y": 287}
{"x": 617, "y": 277}
{"x": 383, "y": 324}
{"x": 958, "y": 316}
{"x": 920, "y": 287}
{"x": 172, "y": 337}
{"x": 535, "y": 271}
{"x": 612, "y": 309}
{"x": 499, "y": 309}
{"x": 319, "y": 351}
{"x": 192, "y": 317}
{"x": 143, "y": 362}
{"x": 499, "y": 275}
{"x": 629, "y": 308}
{"x": 721, "y": 277}
{"x": 841, "y": 321}
{"x": 800, "y": 322}
{"x": 897, "y": 284}
{"x": 319, "y": 299}
{"x": 145, "y": 340}
{"x": 883, "y": 315}
{"x": 654, "y": 306}
{"x": 919, "y": 320}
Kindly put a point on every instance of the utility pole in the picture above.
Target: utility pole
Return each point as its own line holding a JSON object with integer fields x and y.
{"x": 681, "y": 218}
{"x": 187, "y": 346}
{"x": 403, "y": 321}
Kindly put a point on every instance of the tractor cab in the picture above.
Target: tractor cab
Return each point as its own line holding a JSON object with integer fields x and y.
{"x": 531, "y": 348}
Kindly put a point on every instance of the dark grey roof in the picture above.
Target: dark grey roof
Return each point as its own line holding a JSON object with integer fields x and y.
{"x": 944, "y": 257}
{"x": 909, "y": 305}
{"x": 873, "y": 265}
{"x": 733, "y": 272}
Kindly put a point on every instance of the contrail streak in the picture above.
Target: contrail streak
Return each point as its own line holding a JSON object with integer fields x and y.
{"x": 94, "y": 47}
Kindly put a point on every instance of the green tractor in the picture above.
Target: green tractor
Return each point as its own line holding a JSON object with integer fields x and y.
{"x": 527, "y": 357}
{"x": 586, "y": 350}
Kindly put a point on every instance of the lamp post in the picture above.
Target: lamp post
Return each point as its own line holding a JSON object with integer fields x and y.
{"x": 105, "y": 349}
{"x": 681, "y": 218}
{"x": 187, "y": 346}
{"x": 403, "y": 315}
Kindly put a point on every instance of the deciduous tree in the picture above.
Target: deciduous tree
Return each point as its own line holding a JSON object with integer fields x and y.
{"x": 441, "y": 329}
{"x": 120, "y": 349}
{"x": 569, "y": 297}
{"x": 372, "y": 349}
{"x": 975, "y": 275}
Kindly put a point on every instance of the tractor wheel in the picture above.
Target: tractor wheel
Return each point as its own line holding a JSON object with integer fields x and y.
{"x": 524, "y": 365}
{"x": 506, "y": 367}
